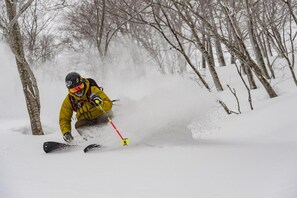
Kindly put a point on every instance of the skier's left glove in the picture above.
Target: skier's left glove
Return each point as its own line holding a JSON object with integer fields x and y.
{"x": 95, "y": 99}
{"x": 68, "y": 137}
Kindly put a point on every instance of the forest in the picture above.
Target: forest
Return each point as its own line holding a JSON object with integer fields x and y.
{"x": 189, "y": 38}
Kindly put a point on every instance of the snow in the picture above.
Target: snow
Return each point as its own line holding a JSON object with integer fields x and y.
{"x": 182, "y": 143}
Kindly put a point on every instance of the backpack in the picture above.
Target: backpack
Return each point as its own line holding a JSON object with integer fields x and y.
{"x": 76, "y": 104}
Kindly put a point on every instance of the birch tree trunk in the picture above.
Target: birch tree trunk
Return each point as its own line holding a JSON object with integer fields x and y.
{"x": 207, "y": 54}
{"x": 254, "y": 42}
{"x": 250, "y": 77}
{"x": 218, "y": 47}
{"x": 15, "y": 40}
{"x": 100, "y": 23}
{"x": 204, "y": 43}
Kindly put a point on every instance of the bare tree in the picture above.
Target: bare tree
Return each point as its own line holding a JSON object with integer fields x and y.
{"x": 239, "y": 50}
{"x": 160, "y": 23}
{"x": 197, "y": 41}
{"x": 13, "y": 36}
{"x": 36, "y": 27}
{"x": 286, "y": 47}
{"x": 96, "y": 22}
{"x": 279, "y": 29}
{"x": 252, "y": 29}
{"x": 247, "y": 88}
{"x": 291, "y": 9}
{"x": 218, "y": 46}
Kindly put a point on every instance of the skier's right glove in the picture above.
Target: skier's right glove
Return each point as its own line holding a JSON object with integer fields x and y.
{"x": 95, "y": 99}
{"x": 68, "y": 137}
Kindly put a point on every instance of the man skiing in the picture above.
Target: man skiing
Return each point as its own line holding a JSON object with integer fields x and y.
{"x": 84, "y": 97}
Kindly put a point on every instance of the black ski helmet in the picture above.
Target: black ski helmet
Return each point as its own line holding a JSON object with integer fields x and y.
{"x": 73, "y": 79}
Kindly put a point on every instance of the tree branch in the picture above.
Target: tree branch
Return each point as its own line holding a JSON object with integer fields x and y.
{"x": 237, "y": 100}
{"x": 246, "y": 86}
{"x": 21, "y": 11}
{"x": 119, "y": 27}
{"x": 228, "y": 111}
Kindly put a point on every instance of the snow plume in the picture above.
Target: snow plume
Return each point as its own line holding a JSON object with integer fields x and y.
{"x": 156, "y": 109}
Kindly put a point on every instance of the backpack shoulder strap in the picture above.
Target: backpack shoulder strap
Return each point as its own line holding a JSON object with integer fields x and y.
{"x": 73, "y": 102}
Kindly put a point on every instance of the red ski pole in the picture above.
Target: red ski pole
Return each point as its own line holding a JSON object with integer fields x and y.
{"x": 125, "y": 141}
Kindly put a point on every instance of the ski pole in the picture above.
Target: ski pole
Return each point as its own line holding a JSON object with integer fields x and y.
{"x": 125, "y": 141}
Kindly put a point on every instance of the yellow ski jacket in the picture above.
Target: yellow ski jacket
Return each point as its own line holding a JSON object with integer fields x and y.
{"x": 82, "y": 106}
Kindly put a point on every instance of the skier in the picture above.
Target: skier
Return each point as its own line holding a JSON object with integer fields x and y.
{"x": 84, "y": 97}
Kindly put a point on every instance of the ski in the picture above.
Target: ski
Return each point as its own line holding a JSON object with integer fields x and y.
{"x": 51, "y": 146}
{"x": 92, "y": 146}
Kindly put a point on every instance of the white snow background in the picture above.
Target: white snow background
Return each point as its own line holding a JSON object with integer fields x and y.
{"x": 182, "y": 142}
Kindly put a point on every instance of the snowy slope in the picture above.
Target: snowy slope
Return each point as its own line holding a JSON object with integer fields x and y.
{"x": 251, "y": 155}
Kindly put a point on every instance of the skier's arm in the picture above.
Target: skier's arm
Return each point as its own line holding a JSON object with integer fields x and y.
{"x": 106, "y": 103}
{"x": 66, "y": 112}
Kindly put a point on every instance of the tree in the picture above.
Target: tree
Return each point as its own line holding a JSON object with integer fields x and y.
{"x": 96, "y": 23}
{"x": 291, "y": 9}
{"x": 207, "y": 54}
{"x": 252, "y": 29}
{"x": 218, "y": 46}
{"x": 164, "y": 25}
{"x": 36, "y": 24}
{"x": 14, "y": 38}
{"x": 239, "y": 49}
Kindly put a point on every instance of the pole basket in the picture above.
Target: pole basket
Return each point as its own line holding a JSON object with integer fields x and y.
{"x": 125, "y": 142}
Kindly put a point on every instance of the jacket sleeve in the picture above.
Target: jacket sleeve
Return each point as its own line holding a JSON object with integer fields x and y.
{"x": 65, "y": 116}
{"x": 106, "y": 102}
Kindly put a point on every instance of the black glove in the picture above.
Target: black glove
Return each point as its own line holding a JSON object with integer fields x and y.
{"x": 95, "y": 99}
{"x": 68, "y": 137}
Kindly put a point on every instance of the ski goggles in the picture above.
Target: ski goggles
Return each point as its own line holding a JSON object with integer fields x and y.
{"x": 77, "y": 88}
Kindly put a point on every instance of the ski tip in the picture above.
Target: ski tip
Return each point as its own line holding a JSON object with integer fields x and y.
{"x": 51, "y": 146}
{"x": 91, "y": 146}
{"x": 45, "y": 147}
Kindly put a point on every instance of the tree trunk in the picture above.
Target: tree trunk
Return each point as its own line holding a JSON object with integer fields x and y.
{"x": 220, "y": 54}
{"x": 28, "y": 80}
{"x": 208, "y": 55}
{"x": 250, "y": 76}
{"x": 218, "y": 47}
{"x": 210, "y": 51}
{"x": 231, "y": 40}
{"x": 263, "y": 45}
{"x": 204, "y": 43}
{"x": 268, "y": 44}
{"x": 100, "y": 23}
{"x": 254, "y": 42}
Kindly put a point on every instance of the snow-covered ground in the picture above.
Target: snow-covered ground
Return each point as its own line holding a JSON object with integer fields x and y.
{"x": 252, "y": 155}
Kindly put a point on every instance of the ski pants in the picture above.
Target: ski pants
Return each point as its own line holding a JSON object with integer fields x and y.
{"x": 102, "y": 119}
